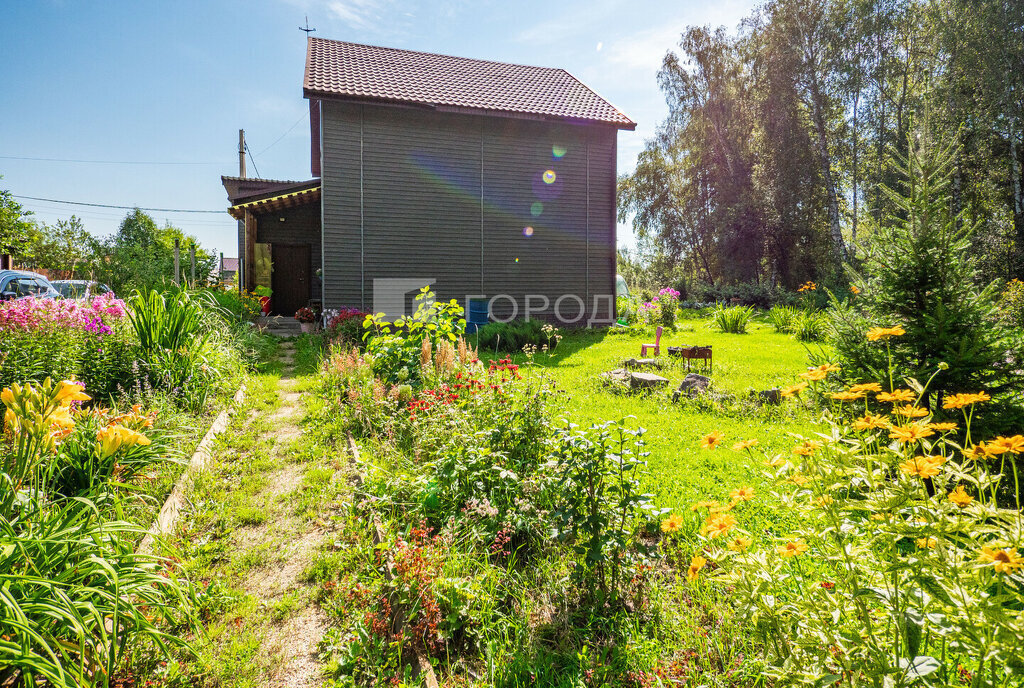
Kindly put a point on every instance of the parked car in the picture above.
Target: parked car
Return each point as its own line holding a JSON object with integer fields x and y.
{"x": 17, "y": 284}
{"x": 80, "y": 289}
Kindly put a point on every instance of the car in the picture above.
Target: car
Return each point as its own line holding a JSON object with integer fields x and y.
{"x": 80, "y": 289}
{"x": 18, "y": 284}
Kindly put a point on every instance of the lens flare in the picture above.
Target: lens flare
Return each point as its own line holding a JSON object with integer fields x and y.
{"x": 517, "y": 260}
{"x": 549, "y": 177}
{"x": 528, "y": 231}
{"x": 536, "y": 208}
{"x": 558, "y": 151}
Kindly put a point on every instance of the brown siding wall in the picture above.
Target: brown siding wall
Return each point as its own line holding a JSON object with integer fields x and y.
{"x": 301, "y": 226}
{"x": 341, "y": 212}
{"x": 450, "y": 197}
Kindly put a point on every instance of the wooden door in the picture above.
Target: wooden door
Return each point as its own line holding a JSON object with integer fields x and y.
{"x": 291, "y": 278}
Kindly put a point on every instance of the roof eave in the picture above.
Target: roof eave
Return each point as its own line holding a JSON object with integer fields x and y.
{"x": 394, "y": 102}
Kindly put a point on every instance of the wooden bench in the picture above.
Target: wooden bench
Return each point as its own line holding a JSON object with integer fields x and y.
{"x": 691, "y": 353}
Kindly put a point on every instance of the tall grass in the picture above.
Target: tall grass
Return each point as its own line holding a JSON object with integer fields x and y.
{"x": 73, "y": 591}
{"x": 732, "y": 320}
{"x": 781, "y": 318}
{"x": 167, "y": 322}
{"x": 809, "y": 325}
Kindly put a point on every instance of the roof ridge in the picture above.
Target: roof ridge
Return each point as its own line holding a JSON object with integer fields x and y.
{"x": 427, "y": 52}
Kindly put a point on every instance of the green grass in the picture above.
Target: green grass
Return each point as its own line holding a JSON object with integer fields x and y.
{"x": 680, "y": 471}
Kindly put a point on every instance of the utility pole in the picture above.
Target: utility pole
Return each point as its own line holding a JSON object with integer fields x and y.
{"x": 192, "y": 258}
{"x": 177, "y": 263}
{"x": 241, "y": 153}
{"x": 241, "y": 221}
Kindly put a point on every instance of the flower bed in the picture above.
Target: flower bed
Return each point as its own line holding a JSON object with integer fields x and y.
{"x": 76, "y": 597}
{"x": 891, "y": 557}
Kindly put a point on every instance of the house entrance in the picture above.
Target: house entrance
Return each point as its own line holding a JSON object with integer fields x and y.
{"x": 290, "y": 278}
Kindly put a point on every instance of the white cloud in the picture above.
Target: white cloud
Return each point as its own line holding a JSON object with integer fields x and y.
{"x": 358, "y": 14}
{"x": 643, "y": 50}
{"x": 599, "y": 46}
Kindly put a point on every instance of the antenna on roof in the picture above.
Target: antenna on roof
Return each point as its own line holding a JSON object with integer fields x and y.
{"x": 307, "y": 29}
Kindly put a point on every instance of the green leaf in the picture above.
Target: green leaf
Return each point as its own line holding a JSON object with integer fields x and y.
{"x": 920, "y": 666}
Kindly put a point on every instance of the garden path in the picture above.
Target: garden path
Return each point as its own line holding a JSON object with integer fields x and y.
{"x": 266, "y": 502}
{"x": 300, "y": 633}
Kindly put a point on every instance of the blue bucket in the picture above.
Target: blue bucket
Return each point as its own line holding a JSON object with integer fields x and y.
{"x": 478, "y": 315}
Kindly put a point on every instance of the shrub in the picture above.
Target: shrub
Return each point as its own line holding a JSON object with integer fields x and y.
{"x": 75, "y": 593}
{"x": 903, "y": 569}
{"x": 66, "y": 340}
{"x": 809, "y": 325}
{"x": 732, "y": 320}
{"x": 669, "y": 300}
{"x": 757, "y": 294}
{"x": 395, "y": 349}
{"x": 244, "y": 306}
{"x": 517, "y": 335}
{"x": 600, "y": 503}
{"x": 918, "y": 274}
{"x": 346, "y": 325}
{"x": 1011, "y": 304}
{"x": 781, "y": 318}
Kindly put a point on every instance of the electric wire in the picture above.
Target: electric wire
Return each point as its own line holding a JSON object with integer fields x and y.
{"x": 109, "y": 162}
{"x": 279, "y": 138}
{"x": 252, "y": 160}
{"x": 121, "y": 207}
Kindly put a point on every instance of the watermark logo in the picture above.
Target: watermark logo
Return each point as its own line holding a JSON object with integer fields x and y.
{"x": 396, "y": 297}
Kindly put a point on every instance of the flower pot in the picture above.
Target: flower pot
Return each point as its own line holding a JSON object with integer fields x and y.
{"x": 307, "y": 328}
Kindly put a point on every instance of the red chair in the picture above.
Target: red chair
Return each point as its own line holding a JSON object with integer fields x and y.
{"x": 656, "y": 345}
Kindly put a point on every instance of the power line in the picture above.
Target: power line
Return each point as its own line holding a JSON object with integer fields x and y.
{"x": 121, "y": 207}
{"x": 109, "y": 162}
{"x": 252, "y": 160}
{"x": 278, "y": 140}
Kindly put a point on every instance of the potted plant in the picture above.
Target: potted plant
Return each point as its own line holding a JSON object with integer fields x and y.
{"x": 306, "y": 318}
{"x": 264, "y": 294}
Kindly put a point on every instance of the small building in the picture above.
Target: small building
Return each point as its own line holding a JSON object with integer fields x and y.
{"x": 481, "y": 179}
{"x": 227, "y": 271}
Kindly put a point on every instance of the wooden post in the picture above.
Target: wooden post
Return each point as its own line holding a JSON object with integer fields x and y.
{"x": 177, "y": 263}
{"x": 220, "y": 268}
{"x": 6, "y": 262}
{"x": 243, "y": 261}
{"x": 250, "y": 250}
{"x": 192, "y": 260}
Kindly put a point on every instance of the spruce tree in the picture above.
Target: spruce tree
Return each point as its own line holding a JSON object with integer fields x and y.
{"x": 918, "y": 273}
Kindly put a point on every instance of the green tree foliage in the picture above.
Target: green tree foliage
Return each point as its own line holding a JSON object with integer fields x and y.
{"x": 918, "y": 274}
{"x": 141, "y": 255}
{"x": 14, "y": 225}
{"x": 64, "y": 249}
{"x": 774, "y": 154}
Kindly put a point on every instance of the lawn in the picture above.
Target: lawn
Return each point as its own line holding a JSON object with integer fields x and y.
{"x": 680, "y": 471}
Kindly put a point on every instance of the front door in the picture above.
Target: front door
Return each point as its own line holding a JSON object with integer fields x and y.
{"x": 291, "y": 278}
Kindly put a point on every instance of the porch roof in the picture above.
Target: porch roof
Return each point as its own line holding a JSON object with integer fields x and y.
{"x": 302, "y": 194}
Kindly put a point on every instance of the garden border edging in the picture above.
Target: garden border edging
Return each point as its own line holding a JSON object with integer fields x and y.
{"x": 164, "y": 522}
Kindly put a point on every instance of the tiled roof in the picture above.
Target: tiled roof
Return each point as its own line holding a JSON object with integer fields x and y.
{"x": 366, "y": 72}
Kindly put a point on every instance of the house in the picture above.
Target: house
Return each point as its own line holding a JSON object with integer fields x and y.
{"x": 228, "y": 269}
{"x": 479, "y": 178}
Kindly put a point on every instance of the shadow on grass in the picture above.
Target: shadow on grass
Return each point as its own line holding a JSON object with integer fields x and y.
{"x": 572, "y": 343}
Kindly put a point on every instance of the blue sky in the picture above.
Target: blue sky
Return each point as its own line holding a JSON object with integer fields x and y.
{"x": 172, "y": 82}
